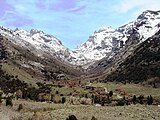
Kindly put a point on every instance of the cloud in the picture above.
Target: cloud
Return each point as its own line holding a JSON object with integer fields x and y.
{"x": 23, "y": 7}
{"x": 127, "y": 5}
{"x": 19, "y": 21}
{"x": 15, "y": 13}
{"x": 5, "y": 7}
{"x": 40, "y": 4}
{"x": 62, "y": 5}
{"x": 12, "y": 19}
{"x": 75, "y": 10}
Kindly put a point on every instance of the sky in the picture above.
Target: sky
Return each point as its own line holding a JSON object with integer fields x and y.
{"x": 71, "y": 21}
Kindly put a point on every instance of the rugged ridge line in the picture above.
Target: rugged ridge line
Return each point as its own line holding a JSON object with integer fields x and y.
{"x": 104, "y": 43}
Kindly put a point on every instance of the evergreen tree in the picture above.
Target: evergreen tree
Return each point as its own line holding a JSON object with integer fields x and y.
{"x": 1, "y": 97}
{"x": 71, "y": 117}
{"x": 63, "y": 100}
{"x": 140, "y": 98}
{"x": 134, "y": 99}
{"x": 149, "y": 100}
{"x": 110, "y": 93}
{"x": 92, "y": 99}
{"x": 20, "y": 107}
{"x": 93, "y": 118}
{"x": 9, "y": 101}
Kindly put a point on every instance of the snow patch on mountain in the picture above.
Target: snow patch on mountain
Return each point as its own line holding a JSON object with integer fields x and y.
{"x": 35, "y": 41}
{"x": 146, "y": 25}
{"x": 102, "y": 43}
{"x": 108, "y": 41}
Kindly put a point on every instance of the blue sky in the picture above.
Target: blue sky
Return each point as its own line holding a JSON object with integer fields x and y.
{"x": 71, "y": 21}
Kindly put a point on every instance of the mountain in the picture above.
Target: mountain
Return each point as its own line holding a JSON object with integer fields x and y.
{"x": 143, "y": 65}
{"x": 42, "y": 44}
{"x": 36, "y": 41}
{"x": 104, "y": 43}
{"x": 138, "y": 63}
{"x": 107, "y": 41}
{"x": 100, "y": 44}
{"x": 35, "y": 56}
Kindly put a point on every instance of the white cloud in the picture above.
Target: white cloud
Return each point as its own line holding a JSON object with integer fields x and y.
{"x": 137, "y": 5}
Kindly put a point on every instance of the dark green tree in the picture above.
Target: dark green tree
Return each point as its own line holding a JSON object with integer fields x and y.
{"x": 1, "y": 97}
{"x": 20, "y": 107}
{"x": 134, "y": 99}
{"x": 71, "y": 117}
{"x": 63, "y": 100}
{"x": 140, "y": 99}
{"x": 121, "y": 102}
{"x": 92, "y": 96}
{"x": 57, "y": 92}
{"x": 9, "y": 101}
{"x": 110, "y": 93}
{"x": 149, "y": 100}
{"x": 93, "y": 118}
{"x": 85, "y": 95}
{"x": 97, "y": 99}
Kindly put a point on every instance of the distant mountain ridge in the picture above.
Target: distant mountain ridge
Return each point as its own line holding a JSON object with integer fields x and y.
{"x": 105, "y": 42}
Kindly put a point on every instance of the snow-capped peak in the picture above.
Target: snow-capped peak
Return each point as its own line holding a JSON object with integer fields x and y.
{"x": 148, "y": 14}
{"x": 108, "y": 41}
{"x": 104, "y": 42}
{"x": 35, "y": 31}
{"x": 99, "y": 44}
{"x": 106, "y": 28}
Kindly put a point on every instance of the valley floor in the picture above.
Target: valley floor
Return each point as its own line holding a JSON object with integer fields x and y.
{"x": 49, "y": 111}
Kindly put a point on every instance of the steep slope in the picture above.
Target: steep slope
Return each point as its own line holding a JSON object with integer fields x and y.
{"x": 142, "y": 65}
{"x": 100, "y": 44}
{"x": 36, "y": 41}
{"x": 29, "y": 64}
{"x": 107, "y": 41}
{"x": 145, "y": 26}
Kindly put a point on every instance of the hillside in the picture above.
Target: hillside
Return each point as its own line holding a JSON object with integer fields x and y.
{"x": 24, "y": 63}
{"x": 47, "y": 111}
{"x": 142, "y": 65}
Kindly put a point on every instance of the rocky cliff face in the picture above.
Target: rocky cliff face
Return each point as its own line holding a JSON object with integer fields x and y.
{"x": 142, "y": 65}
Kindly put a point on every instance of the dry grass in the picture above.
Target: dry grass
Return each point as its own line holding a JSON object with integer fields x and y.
{"x": 68, "y": 91}
{"x": 134, "y": 89}
{"x": 14, "y": 70}
{"x": 107, "y": 113}
{"x": 8, "y": 113}
{"x": 49, "y": 111}
{"x": 63, "y": 90}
